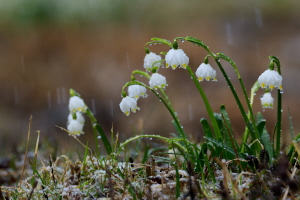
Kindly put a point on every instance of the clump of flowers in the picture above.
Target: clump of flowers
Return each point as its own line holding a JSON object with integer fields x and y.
{"x": 75, "y": 118}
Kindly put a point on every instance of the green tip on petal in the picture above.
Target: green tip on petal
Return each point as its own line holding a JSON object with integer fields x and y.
{"x": 73, "y": 93}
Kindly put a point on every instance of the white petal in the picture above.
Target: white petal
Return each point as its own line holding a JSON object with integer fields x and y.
{"x": 157, "y": 81}
{"x": 151, "y": 58}
{"x": 127, "y": 104}
{"x": 77, "y": 104}
{"x": 75, "y": 127}
{"x": 267, "y": 101}
{"x": 175, "y": 58}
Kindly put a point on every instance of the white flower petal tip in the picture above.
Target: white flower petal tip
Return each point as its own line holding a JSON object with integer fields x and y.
{"x": 267, "y": 101}
{"x": 270, "y": 79}
{"x": 157, "y": 81}
{"x": 137, "y": 91}
{"x": 75, "y": 127}
{"x": 76, "y": 104}
{"x": 127, "y": 104}
{"x": 151, "y": 61}
{"x": 205, "y": 71}
{"x": 175, "y": 58}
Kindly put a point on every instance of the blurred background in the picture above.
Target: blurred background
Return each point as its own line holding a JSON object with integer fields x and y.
{"x": 92, "y": 46}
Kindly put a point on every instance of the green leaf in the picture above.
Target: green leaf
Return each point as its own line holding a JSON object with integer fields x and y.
{"x": 264, "y": 136}
{"x": 160, "y": 40}
{"x": 206, "y": 128}
{"x": 196, "y": 41}
{"x": 221, "y": 147}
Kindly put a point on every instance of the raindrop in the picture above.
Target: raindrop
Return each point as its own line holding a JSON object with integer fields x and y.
{"x": 182, "y": 40}
{"x": 281, "y": 110}
{"x": 263, "y": 110}
{"x": 281, "y": 91}
{"x": 99, "y": 137}
{"x": 176, "y": 114}
{"x": 255, "y": 94}
{"x": 150, "y": 138}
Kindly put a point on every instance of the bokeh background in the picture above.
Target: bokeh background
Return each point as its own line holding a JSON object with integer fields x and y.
{"x": 48, "y": 47}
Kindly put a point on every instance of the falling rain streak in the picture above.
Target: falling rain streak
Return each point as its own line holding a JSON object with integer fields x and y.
{"x": 229, "y": 34}
{"x": 93, "y": 102}
{"x": 16, "y": 95}
{"x": 49, "y": 99}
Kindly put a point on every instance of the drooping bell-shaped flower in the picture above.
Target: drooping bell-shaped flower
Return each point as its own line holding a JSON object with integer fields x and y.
{"x": 75, "y": 127}
{"x": 157, "y": 81}
{"x": 152, "y": 60}
{"x": 137, "y": 91}
{"x": 76, "y": 104}
{"x": 267, "y": 101}
{"x": 127, "y": 104}
{"x": 76, "y": 116}
{"x": 270, "y": 79}
{"x": 175, "y": 58}
{"x": 205, "y": 71}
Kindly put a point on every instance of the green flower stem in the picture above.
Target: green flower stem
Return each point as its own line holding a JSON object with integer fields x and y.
{"x": 216, "y": 57}
{"x": 254, "y": 89}
{"x": 167, "y": 104}
{"x": 279, "y": 109}
{"x": 98, "y": 128}
{"x": 253, "y": 128}
{"x": 207, "y": 105}
{"x": 142, "y": 73}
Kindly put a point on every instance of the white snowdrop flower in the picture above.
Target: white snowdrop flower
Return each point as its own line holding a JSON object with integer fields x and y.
{"x": 75, "y": 127}
{"x": 205, "y": 71}
{"x": 79, "y": 117}
{"x": 267, "y": 101}
{"x": 127, "y": 104}
{"x": 77, "y": 104}
{"x": 270, "y": 79}
{"x": 175, "y": 58}
{"x": 157, "y": 81}
{"x": 151, "y": 61}
{"x": 136, "y": 91}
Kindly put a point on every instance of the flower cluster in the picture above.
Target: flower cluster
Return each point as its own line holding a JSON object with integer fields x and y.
{"x": 75, "y": 118}
{"x": 269, "y": 79}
